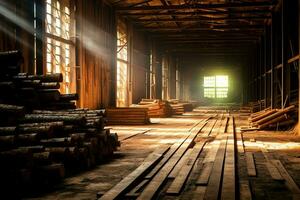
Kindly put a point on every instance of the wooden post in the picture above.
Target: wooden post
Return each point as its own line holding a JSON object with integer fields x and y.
{"x": 285, "y": 75}
{"x": 272, "y": 62}
{"x": 265, "y": 68}
{"x": 40, "y": 28}
{"x": 299, "y": 64}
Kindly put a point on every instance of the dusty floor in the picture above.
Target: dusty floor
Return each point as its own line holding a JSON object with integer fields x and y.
{"x": 137, "y": 142}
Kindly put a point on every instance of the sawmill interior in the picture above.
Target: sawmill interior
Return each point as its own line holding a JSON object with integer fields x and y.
{"x": 149, "y": 99}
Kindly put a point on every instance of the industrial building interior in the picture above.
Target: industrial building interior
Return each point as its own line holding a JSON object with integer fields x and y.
{"x": 149, "y": 99}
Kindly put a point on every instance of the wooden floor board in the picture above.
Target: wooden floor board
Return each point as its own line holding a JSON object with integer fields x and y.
{"x": 155, "y": 184}
{"x": 182, "y": 176}
{"x": 129, "y": 180}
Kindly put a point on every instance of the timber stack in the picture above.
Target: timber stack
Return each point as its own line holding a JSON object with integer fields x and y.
{"x": 272, "y": 118}
{"x": 31, "y": 91}
{"x": 178, "y": 108}
{"x": 39, "y": 147}
{"x": 127, "y": 116}
{"x": 42, "y": 147}
{"x": 156, "y": 107}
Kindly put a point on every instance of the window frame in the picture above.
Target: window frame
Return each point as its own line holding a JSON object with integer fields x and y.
{"x": 212, "y": 90}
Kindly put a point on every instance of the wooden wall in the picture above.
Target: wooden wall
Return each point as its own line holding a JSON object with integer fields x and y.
{"x": 96, "y": 53}
{"x": 140, "y": 63}
{"x": 17, "y": 30}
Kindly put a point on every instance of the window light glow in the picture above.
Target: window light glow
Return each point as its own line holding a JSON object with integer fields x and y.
{"x": 216, "y": 86}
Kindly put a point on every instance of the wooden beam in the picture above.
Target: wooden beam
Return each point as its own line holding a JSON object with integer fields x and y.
{"x": 250, "y": 164}
{"x": 229, "y": 176}
{"x": 213, "y": 186}
{"x": 202, "y": 19}
{"x": 198, "y": 12}
{"x": 200, "y": 6}
{"x": 181, "y": 178}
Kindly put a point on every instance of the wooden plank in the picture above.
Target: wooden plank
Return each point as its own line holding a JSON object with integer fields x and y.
{"x": 245, "y": 191}
{"x": 180, "y": 164}
{"x": 289, "y": 181}
{"x": 274, "y": 172}
{"x": 165, "y": 159}
{"x": 199, "y": 193}
{"x": 136, "y": 191}
{"x": 228, "y": 186}
{"x": 213, "y": 186}
{"x": 213, "y": 126}
{"x": 158, "y": 180}
{"x": 270, "y": 166}
{"x": 205, "y": 174}
{"x": 120, "y": 188}
{"x": 206, "y": 130}
{"x": 210, "y": 157}
{"x": 185, "y": 143}
{"x": 250, "y": 164}
{"x": 179, "y": 181}
{"x": 135, "y": 134}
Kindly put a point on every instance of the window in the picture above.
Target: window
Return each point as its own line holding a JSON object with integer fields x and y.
{"x": 60, "y": 48}
{"x": 122, "y": 65}
{"x": 216, "y": 86}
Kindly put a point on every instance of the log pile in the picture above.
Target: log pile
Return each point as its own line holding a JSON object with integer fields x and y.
{"x": 127, "y": 116}
{"x": 178, "y": 108}
{"x": 271, "y": 118}
{"x": 156, "y": 107}
{"x": 40, "y": 148}
{"x": 31, "y": 91}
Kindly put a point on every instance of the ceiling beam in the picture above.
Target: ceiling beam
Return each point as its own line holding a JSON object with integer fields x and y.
{"x": 199, "y": 12}
{"x": 203, "y": 19}
{"x": 200, "y": 6}
{"x": 204, "y": 41}
{"x": 206, "y": 34}
{"x": 221, "y": 28}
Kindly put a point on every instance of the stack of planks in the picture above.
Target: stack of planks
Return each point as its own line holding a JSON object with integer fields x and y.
{"x": 178, "y": 108}
{"x": 156, "y": 107}
{"x": 271, "y": 118}
{"x": 127, "y": 116}
{"x": 38, "y": 149}
{"x": 32, "y": 91}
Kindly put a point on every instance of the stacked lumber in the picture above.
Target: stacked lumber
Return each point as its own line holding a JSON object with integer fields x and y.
{"x": 40, "y": 148}
{"x": 127, "y": 116}
{"x": 156, "y": 107}
{"x": 178, "y": 108}
{"x": 32, "y": 91}
{"x": 271, "y": 118}
{"x": 245, "y": 109}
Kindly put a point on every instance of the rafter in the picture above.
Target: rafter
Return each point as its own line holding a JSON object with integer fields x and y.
{"x": 205, "y": 19}
{"x": 199, "y": 6}
{"x": 200, "y": 12}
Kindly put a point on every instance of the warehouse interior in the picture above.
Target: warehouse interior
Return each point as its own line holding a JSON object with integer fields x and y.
{"x": 149, "y": 99}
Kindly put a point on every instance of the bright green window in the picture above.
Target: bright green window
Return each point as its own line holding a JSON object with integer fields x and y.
{"x": 216, "y": 86}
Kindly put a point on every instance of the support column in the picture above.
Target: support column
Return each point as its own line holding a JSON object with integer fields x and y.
{"x": 298, "y": 65}
{"x": 272, "y": 62}
{"x": 265, "y": 68}
{"x": 285, "y": 71}
{"x": 40, "y": 28}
